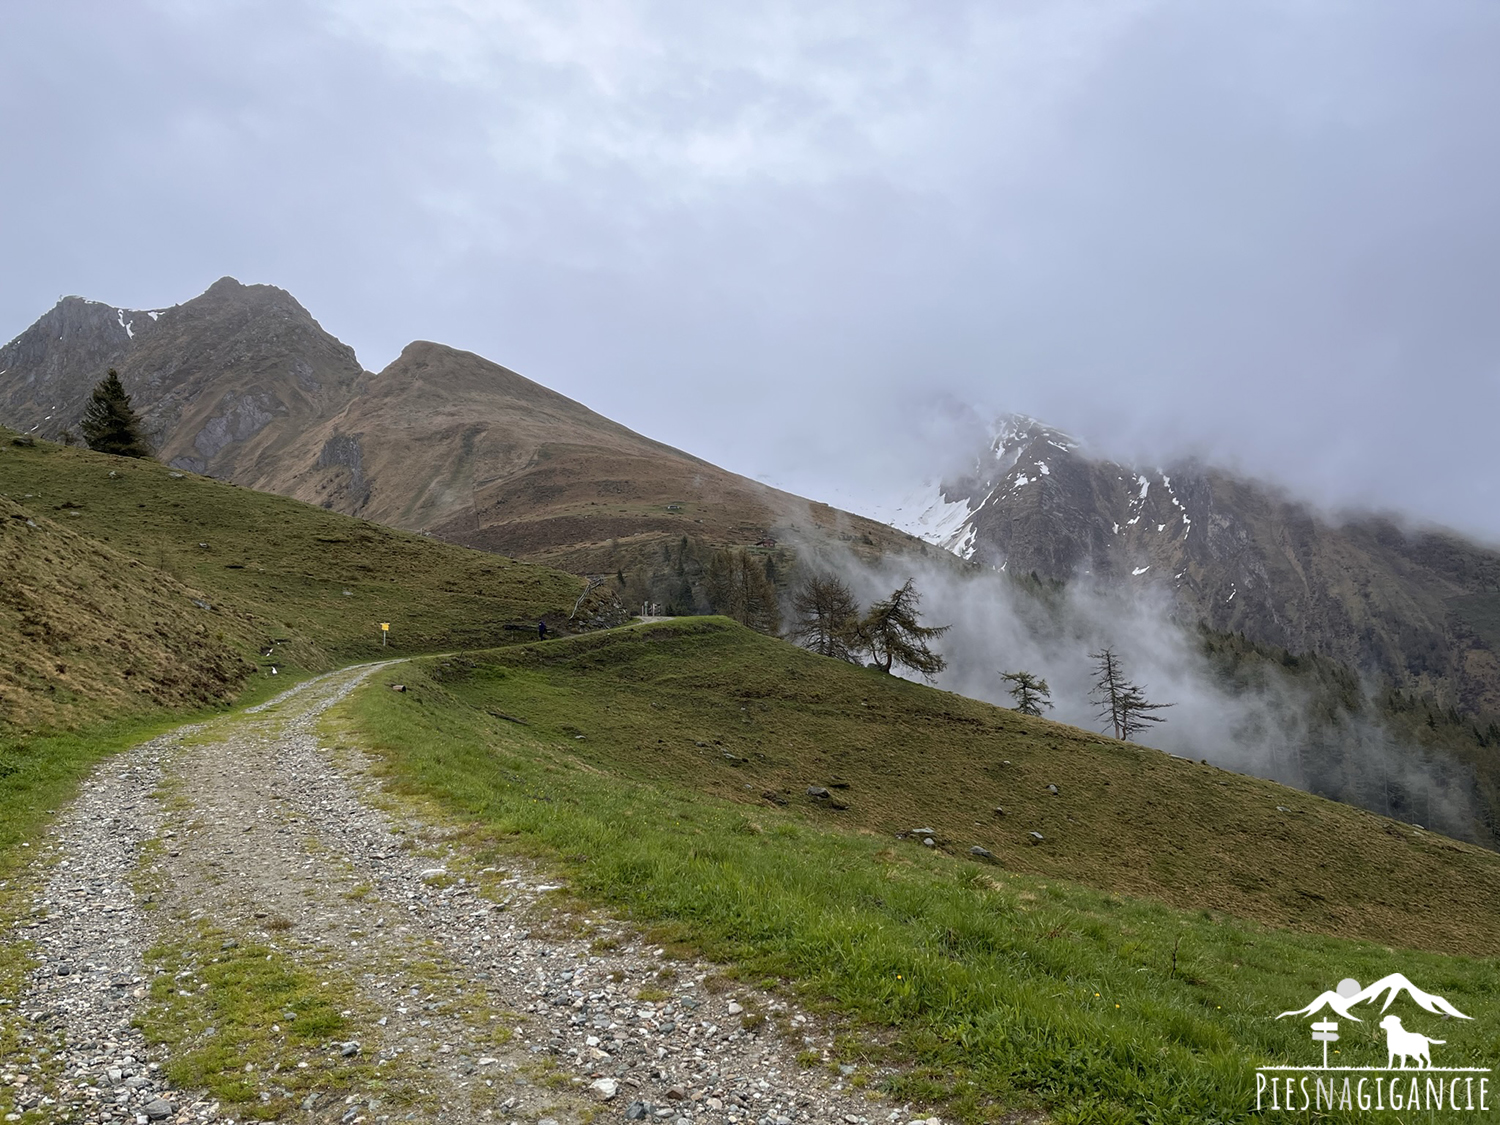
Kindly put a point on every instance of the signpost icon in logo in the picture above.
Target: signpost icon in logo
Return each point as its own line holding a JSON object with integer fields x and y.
{"x": 1327, "y": 1031}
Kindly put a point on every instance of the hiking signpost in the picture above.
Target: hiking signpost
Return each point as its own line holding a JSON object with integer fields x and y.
{"x": 1325, "y": 1032}
{"x": 385, "y": 633}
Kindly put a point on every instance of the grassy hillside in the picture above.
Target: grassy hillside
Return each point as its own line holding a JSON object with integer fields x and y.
{"x": 1046, "y": 976}
{"x": 752, "y": 720}
{"x": 92, "y": 631}
{"x": 135, "y": 577}
{"x": 755, "y": 720}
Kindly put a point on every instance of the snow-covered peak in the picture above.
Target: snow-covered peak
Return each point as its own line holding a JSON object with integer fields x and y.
{"x": 1022, "y": 452}
{"x": 1015, "y": 433}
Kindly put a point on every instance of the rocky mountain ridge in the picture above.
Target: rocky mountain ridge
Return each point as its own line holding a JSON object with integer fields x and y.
{"x": 1412, "y": 608}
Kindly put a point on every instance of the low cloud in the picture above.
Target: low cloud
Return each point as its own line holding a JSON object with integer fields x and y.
{"x": 1265, "y": 722}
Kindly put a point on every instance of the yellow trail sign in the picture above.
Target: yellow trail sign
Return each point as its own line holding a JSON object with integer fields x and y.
{"x": 385, "y": 626}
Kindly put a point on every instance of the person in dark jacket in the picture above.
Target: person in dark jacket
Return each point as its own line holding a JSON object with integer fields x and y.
{"x": 541, "y": 630}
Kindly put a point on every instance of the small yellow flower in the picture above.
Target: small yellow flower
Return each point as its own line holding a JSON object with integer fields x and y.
{"x": 1096, "y": 996}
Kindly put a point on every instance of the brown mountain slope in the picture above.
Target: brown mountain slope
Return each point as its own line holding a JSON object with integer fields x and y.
{"x": 447, "y": 442}
{"x": 223, "y": 382}
{"x": 241, "y": 383}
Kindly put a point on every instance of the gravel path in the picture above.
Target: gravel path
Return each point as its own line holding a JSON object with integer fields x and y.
{"x": 468, "y": 994}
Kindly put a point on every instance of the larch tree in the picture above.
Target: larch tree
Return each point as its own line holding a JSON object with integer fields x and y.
{"x": 736, "y": 586}
{"x": 1122, "y": 704}
{"x": 1030, "y": 692}
{"x": 826, "y": 618}
{"x": 894, "y": 633}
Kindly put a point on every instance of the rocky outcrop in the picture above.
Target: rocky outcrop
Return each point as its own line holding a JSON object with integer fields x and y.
{"x": 48, "y": 371}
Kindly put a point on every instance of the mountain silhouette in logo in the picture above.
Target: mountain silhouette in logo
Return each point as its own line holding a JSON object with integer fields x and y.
{"x": 1390, "y": 987}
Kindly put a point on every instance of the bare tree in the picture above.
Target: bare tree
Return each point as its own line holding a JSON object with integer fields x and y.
{"x": 894, "y": 635}
{"x": 827, "y": 618}
{"x": 1122, "y": 704}
{"x": 1030, "y": 692}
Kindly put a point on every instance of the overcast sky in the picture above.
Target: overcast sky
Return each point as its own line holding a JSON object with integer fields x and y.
{"x": 810, "y": 241}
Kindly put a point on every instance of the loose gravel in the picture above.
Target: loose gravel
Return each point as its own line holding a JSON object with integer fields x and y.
{"x": 477, "y": 995}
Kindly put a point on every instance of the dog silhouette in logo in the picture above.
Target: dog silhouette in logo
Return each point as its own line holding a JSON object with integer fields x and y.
{"x": 1403, "y": 1044}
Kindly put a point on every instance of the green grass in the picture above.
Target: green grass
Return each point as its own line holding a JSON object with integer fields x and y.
{"x": 997, "y": 985}
{"x": 748, "y": 719}
{"x": 284, "y": 564}
{"x": 243, "y": 1021}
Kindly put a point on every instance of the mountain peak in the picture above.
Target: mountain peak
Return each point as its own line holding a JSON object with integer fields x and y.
{"x": 1013, "y": 431}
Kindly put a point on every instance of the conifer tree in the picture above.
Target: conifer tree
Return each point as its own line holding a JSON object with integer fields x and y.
{"x": 1122, "y": 704}
{"x": 895, "y": 635}
{"x": 827, "y": 618}
{"x": 1030, "y": 692}
{"x": 109, "y": 424}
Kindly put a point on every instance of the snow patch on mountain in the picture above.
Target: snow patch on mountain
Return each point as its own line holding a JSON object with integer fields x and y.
{"x": 928, "y": 514}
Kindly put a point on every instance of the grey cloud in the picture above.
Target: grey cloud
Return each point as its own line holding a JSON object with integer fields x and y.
{"x": 801, "y": 242}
